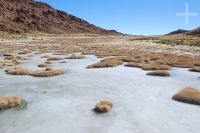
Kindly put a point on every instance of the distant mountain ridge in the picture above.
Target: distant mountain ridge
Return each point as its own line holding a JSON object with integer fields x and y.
{"x": 26, "y": 16}
{"x": 195, "y": 32}
{"x": 180, "y": 31}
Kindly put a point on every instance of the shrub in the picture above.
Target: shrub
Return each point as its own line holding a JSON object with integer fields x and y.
{"x": 188, "y": 95}
{"x": 47, "y": 73}
{"x": 73, "y": 56}
{"x": 9, "y": 102}
{"x": 19, "y": 71}
{"x": 110, "y": 62}
{"x": 159, "y": 73}
{"x": 103, "y": 107}
{"x": 195, "y": 69}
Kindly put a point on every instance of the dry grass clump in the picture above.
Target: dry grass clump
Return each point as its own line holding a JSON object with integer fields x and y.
{"x": 44, "y": 65}
{"x": 19, "y": 71}
{"x": 188, "y": 95}
{"x": 155, "y": 67}
{"x": 23, "y": 52}
{"x": 146, "y": 66}
{"x": 195, "y": 69}
{"x": 46, "y": 56}
{"x": 48, "y": 69}
{"x": 134, "y": 64}
{"x": 9, "y": 102}
{"x": 48, "y": 62}
{"x": 103, "y": 107}
{"x": 9, "y": 54}
{"x": 159, "y": 73}
{"x": 54, "y": 58}
{"x": 47, "y": 73}
{"x": 129, "y": 59}
{"x": 109, "y": 62}
{"x": 74, "y": 56}
{"x": 22, "y": 58}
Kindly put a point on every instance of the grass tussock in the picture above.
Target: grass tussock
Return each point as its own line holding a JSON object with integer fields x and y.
{"x": 103, "y": 107}
{"x": 74, "y": 56}
{"x": 188, "y": 95}
{"x": 9, "y": 102}
{"x": 134, "y": 64}
{"x": 159, "y": 73}
{"x": 19, "y": 71}
{"x": 155, "y": 67}
{"x": 146, "y": 66}
{"x": 109, "y": 62}
{"x": 48, "y": 73}
{"x": 44, "y": 65}
{"x": 54, "y": 58}
{"x": 48, "y": 62}
{"x": 195, "y": 69}
{"x": 46, "y": 56}
{"x": 48, "y": 69}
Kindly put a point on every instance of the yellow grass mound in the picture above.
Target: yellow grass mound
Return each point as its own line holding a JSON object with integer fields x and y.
{"x": 195, "y": 69}
{"x": 73, "y": 56}
{"x": 110, "y": 62}
{"x": 156, "y": 67}
{"x": 19, "y": 71}
{"x": 134, "y": 64}
{"x": 188, "y": 95}
{"x": 103, "y": 107}
{"x": 54, "y": 58}
{"x": 48, "y": 69}
{"x": 9, "y": 102}
{"x": 44, "y": 65}
{"x": 46, "y": 56}
{"x": 47, "y": 73}
{"x": 159, "y": 73}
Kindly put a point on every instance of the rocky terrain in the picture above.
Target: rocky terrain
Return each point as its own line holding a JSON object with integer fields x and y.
{"x": 28, "y": 16}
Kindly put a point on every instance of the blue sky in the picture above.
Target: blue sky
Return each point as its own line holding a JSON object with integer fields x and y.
{"x": 141, "y": 17}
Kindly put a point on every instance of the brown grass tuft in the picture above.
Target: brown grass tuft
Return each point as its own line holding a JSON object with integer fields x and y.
{"x": 155, "y": 67}
{"x": 195, "y": 69}
{"x": 159, "y": 73}
{"x": 19, "y": 71}
{"x": 188, "y": 95}
{"x": 44, "y": 65}
{"x": 73, "y": 56}
{"x": 134, "y": 64}
{"x": 109, "y": 62}
{"x": 9, "y": 102}
{"x": 48, "y": 69}
{"x": 46, "y": 56}
{"x": 47, "y": 73}
{"x": 54, "y": 58}
{"x": 48, "y": 62}
{"x": 103, "y": 107}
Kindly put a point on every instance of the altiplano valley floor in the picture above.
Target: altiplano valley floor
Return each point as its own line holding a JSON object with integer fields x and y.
{"x": 64, "y": 103}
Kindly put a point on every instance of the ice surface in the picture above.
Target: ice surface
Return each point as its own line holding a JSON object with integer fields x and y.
{"x": 63, "y": 104}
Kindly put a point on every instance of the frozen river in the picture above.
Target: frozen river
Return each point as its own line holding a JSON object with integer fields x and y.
{"x": 63, "y": 104}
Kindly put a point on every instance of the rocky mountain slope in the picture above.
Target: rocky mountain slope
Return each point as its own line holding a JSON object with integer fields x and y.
{"x": 180, "y": 31}
{"x": 195, "y": 32}
{"x": 26, "y": 16}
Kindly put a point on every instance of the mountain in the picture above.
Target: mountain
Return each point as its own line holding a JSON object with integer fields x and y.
{"x": 195, "y": 32}
{"x": 27, "y": 16}
{"x": 180, "y": 31}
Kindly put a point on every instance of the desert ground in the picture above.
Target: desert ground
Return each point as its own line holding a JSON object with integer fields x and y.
{"x": 53, "y": 83}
